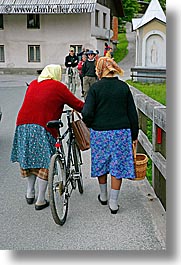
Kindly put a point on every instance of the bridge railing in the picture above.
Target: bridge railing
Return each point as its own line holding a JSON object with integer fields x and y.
{"x": 151, "y": 111}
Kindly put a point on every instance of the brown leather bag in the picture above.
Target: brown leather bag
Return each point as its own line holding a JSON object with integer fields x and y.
{"x": 81, "y": 132}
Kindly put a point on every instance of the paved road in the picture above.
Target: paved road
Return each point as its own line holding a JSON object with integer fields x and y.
{"x": 139, "y": 225}
{"x": 129, "y": 60}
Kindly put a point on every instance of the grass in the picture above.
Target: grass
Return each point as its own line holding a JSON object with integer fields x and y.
{"x": 122, "y": 48}
{"x": 153, "y": 90}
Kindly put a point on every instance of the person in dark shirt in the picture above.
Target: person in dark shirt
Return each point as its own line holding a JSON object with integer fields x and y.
{"x": 89, "y": 72}
{"x": 110, "y": 113}
{"x": 71, "y": 60}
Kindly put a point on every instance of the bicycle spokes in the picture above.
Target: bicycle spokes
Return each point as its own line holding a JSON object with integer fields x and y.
{"x": 58, "y": 191}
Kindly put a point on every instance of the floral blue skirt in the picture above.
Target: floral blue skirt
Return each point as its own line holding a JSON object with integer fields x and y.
{"x": 32, "y": 147}
{"x": 111, "y": 152}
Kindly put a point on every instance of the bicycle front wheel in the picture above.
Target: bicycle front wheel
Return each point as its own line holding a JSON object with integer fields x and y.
{"x": 58, "y": 191}
{"x": 73, "y": 88}
{"x": 69, "y": 82}
{"x": 77, "y": 164}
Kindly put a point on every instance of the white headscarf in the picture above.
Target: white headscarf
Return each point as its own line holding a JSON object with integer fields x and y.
{"x": 51, "y": 71}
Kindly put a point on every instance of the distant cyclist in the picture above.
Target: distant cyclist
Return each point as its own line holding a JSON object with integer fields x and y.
{"x": 71, "y": 62}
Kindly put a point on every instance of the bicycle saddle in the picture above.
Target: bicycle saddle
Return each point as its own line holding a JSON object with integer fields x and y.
{"x": 55, "y": 124}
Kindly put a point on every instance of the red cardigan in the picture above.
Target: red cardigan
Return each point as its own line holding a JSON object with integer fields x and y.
{"x": 45, "y": 101}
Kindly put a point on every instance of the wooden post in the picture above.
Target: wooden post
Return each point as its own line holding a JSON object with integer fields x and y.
{"x": 149, "y": 109}
{"x": 159, "y": 145}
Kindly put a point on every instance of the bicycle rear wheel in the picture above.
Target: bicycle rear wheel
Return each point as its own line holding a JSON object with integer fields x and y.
{"x": 77, "y": 164}
{"x": 58, "y": 191}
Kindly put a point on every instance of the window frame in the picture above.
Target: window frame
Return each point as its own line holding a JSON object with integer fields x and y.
{"x": 3, "y": 54}
{"x": 104, "y": 23}
{"x": 1, "y": 21}
{"x": 35, "y": 60}
{"x": 36, "y": 20}
{"x": 97, "y": 14}
{"x": 77, "y": 47}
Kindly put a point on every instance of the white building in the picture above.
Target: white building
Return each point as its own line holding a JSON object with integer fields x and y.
{"x": 151, "y": 37}
{"x": 36, "y": 33}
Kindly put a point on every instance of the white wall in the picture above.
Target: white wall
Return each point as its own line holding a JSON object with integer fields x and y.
{"x": 99, "y": 32}
{"x": 55, "y": 35}
{"x": 57, "y": 32}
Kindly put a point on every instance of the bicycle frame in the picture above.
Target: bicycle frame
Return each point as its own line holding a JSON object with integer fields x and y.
{"x": 60, "y": 148}
{"x": 64, "y": 170}
{"x": 71, "y": 81}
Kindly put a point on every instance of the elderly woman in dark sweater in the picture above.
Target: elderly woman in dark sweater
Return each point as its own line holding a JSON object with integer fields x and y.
{"x": 111, "y": 114}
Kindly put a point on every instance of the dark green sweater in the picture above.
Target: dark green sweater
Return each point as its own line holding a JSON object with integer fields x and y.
{"x": 110, "y": 106}
{"x": 88, "y": 68}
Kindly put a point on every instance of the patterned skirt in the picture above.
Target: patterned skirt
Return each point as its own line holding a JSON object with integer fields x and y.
{"x": 32, "y": 148}
{"x": 111, "y": 152}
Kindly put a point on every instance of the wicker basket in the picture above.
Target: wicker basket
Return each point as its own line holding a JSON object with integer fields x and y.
{"x": 140, "y": 166}
{"x": 140, "y": 163}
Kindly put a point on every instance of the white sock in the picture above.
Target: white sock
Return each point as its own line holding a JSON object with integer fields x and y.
{"x": 31, "y": 186}
{"x": 103, "y": 194}
{"x": 113, "y": 200}
{"x": 42, "y": 186}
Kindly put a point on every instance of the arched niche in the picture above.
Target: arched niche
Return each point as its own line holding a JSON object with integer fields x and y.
{"x": 154, "y": 49}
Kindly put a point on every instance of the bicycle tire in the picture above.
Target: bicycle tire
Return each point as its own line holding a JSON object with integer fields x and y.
{"x": 57, "y": 190}
{"x": 77, "y": 164}
{"x": 73, "y": 88}
{"x": 69, "y": 82}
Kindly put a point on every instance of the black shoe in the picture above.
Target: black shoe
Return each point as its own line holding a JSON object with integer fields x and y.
{"x": 114, "y": 211}
{"x": 41, "y": 207}
{"x": 102, "y": 202}
{"x": 30, "y": 200}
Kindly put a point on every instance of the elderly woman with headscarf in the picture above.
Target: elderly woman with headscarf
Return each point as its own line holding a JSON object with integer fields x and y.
{"x": 110, "y": 112}
{"x": 33, "y": 143}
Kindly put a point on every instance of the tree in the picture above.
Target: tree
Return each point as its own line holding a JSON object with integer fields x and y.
{"x": 132, "y": 8}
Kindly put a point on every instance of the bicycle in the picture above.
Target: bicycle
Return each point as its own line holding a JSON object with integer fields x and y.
{"x": 72, "y": 79}
{"x": 64, "y": 171}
